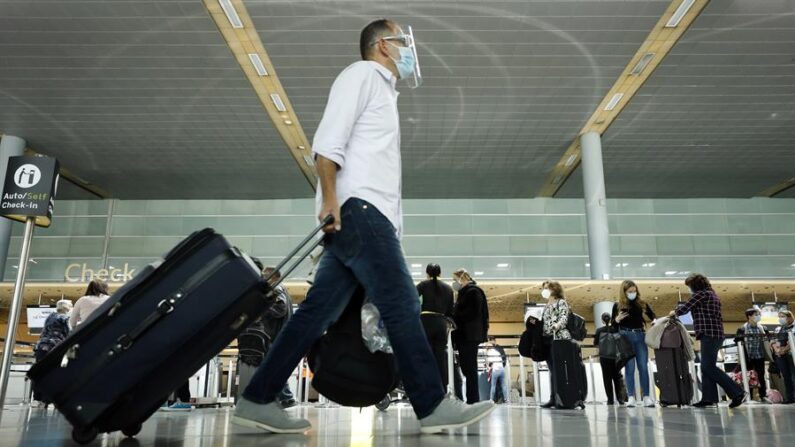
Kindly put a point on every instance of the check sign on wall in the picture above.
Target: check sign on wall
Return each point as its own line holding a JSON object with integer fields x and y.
{"x": 29, "y": 190}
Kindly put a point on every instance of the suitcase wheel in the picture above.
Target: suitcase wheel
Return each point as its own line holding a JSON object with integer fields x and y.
{"x": 131, "y": 431}
{"x": 384, "y": 404}
{"x": 84, "y": 435}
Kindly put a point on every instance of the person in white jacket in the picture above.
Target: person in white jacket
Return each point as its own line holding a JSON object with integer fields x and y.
{"x": 96, "y": 294}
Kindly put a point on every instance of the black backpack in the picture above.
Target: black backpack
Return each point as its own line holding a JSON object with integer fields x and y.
{"x": 345, "y": 371}
{"x": 576, "y": 327}
{"x": 253, "y": 343}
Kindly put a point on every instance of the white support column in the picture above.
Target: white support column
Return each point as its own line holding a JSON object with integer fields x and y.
{"x": 593, "y": 180}
{"x": 10, "y": 146}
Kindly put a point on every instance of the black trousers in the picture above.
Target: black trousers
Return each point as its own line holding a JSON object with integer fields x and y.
{"x": 468, "y": 358}
{"x": 758, "y": 365}
{"x": 611, "y": 376}
{"x": 436, "y": 332}
{"x": 787, "y": 368}
{"x": 183, "y": 392}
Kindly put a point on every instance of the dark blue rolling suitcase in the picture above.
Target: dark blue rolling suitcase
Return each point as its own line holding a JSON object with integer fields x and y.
{"x": 118, "y": 367}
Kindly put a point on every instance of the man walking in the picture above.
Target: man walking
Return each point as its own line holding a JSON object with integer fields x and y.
{"x": 357, "y": 152}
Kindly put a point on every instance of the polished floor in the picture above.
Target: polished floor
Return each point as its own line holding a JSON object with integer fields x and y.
{"x": 597, "y": 425}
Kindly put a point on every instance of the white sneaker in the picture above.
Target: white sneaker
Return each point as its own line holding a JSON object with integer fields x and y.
{"x": 269, "y": 417}
{"x": 452, "y": 413}
{"x": 647, "y": 402}
{"x": 631, "y": 402}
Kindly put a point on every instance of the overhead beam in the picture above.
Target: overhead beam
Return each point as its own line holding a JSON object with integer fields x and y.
{"x": 237, "y": 28}
{"x": 778, "y": 188}
{"x": 677, "y": 18}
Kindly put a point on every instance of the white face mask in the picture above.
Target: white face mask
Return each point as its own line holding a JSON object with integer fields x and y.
{"x": 757, "y": 318}
{"x": 632, "y": 295}
{"x": 546, "y": 293}
{"x": 456, "y": 286}
{"x": 782, "y": 321}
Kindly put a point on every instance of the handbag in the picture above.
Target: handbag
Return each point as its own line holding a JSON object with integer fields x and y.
{"x": 616, "y": 347}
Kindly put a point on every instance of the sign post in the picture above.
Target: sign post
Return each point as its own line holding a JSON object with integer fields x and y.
{"x": 28, "y": 196}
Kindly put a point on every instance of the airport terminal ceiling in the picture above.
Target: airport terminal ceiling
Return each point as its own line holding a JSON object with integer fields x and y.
{"x": 146, "y": 101}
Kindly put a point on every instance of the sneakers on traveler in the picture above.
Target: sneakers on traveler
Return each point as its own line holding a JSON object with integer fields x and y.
{"x": 631, "y": 402}
{"x": 647, "y": 402}
{"x": 452, "y": 413}
{"x": 702, "y": 404}
{"x": 270, "y": 417}
{"x": 738, "y": 400}
{"x": 178, "y": 406}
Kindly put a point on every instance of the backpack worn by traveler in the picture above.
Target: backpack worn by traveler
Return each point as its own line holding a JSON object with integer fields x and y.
{"x": 345, "y": 371}
{"x": 576, "y": 327}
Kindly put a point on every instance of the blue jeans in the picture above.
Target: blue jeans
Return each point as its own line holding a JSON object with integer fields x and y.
{"x": 498, "y": 375}
{"x": 711, "y": 375}
{"x": 641, "y": 359}
{"x": 366, "y": 251}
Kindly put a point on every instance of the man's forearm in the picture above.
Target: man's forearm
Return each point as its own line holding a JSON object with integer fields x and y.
{"x": 327, "y": 171}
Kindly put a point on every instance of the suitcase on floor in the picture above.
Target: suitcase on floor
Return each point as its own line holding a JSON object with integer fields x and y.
{"x": 673, "y": 377}
{"x": 119, "y": 366}
{"x": 571, "y": 382}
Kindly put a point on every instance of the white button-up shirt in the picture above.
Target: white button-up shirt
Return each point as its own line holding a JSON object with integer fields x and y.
{"x": 360, "y": 132}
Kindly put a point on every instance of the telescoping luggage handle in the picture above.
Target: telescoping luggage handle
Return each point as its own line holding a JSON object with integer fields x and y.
{"x": 328, "y": 220}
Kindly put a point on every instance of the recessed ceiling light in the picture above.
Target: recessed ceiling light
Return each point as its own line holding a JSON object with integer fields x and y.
{"x": 231, "y": 14}
{"x": 478, "y": 273}
{"x": 614, "y": 101}
{"x": 277, "y": 101}
{"x": 774, "y": 115}
{"x": 679, "y": 14}
{"x": 257, "y": 63}
{"x": 671, "y": 273}
{"x": 570, "y": 160}
{"x": 416, "y": 273}
{"x": 416, "y": 266}
{"x": 642, "y": 63}
{"x": 503, "y": 265}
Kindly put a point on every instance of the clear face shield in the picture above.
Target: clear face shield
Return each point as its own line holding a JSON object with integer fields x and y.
{"x": 409, "y": 68}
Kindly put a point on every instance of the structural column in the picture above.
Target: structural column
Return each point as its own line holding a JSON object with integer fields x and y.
{"x": 593, "y": 180}
{"x": 10, "y": 146}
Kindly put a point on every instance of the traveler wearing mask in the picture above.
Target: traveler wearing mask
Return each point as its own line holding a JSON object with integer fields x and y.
{"x": 611, "y": 375}
{"x": 357, "y": 156}
{"x": 471, "y": 316}
{"x": 781, "y": 351}
{"x": 437, "y": 306}
{"x": 555, "y": 317}
{"x": 708, "y": 324}
{"x": 630, "y": 315}
{"x": 752, "y": 334}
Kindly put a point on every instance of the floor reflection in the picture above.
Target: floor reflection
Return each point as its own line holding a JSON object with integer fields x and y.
{"x": 596, "y": 426}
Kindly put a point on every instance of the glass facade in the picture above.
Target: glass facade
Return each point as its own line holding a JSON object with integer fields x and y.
{"x": 494, "y": 239}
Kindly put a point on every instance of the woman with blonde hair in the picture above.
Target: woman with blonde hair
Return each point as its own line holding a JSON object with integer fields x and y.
{"x": 555, "y": 317}
{"x": 630, "y": 315}
{"x": 96, "y": 294}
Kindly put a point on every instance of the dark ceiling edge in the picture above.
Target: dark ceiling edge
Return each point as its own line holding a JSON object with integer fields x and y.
{"x": 67, "y": 175}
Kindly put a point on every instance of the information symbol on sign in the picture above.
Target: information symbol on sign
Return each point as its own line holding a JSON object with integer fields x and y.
{"x": 27, "y": 176}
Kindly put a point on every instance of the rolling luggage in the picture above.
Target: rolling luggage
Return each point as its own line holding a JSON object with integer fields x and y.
{"x": 673, "y": 377}
{"x": 119, "y": 366}
{"x": 571, "y": 382}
